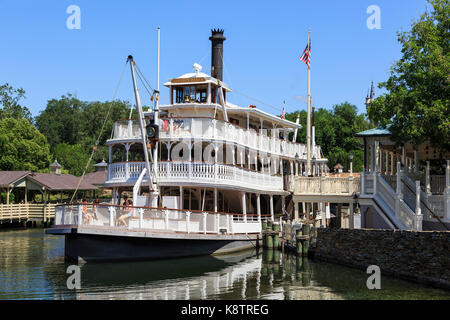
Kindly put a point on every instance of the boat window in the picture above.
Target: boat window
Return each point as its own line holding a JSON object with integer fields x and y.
{"x": 200, "y": 95}
{"x": 179, "y": 95}
{"x": 191, "y": 94}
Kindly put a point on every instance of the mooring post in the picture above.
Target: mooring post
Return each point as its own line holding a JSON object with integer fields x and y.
{"x": 269, "y": 238}
{"x": 276, "y": 238}
{"x": 306, "y": 230}
{"x": 276, "y": 262}
{"x": 264, "y": 235}
{"x": 299, "y": 242}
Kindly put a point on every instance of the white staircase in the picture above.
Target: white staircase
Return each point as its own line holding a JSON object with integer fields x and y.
{"x": 390, "y": 204}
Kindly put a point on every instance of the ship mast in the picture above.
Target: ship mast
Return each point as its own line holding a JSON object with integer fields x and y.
{"x": 141, "y": 120}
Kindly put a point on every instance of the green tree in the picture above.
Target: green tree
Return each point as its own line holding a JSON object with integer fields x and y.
{"x": 61, "y": 120}
{"x": 22, "y": 146}
{"x": 72, "y": 128}
{"x": 93, "y": 116}
{"x": 72, "y": 157}
{"x": 335, "y": 133}
{"x": 417, "y": 102}
{"x": 9, "y": 103}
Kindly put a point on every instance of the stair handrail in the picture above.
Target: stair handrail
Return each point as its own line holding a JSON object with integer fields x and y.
{"x": 426, "y": 206}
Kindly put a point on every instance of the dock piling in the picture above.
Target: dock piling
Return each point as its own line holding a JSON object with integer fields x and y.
{"x": 299, "y": 241}
{"x": 276, "y": 237}
{"x": 305, "y": 230}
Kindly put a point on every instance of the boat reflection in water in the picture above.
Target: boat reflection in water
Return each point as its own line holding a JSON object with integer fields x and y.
{"x": 244, "y": 275}
{"x": 202, "y": 277}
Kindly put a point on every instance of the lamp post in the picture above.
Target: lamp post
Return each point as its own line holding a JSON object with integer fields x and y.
{"x": 351, "y": 164}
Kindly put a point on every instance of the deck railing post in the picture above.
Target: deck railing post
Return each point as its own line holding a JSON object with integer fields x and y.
{"x": 398, "y": 193}
{"x": 112, "y": 213}
{"x": 80, "y": 215}
{"x": 63, "y": 212}
{"x": 375, "y": 178}
{"x": 446, "y": 195}
{"x": 141, "y": 217}
{"x": 188, "y": 222}
{"x": 166, "y": 219}
{"x": 217, "y": 216}
{"x": 205, "y": 214}
{"x": 322, "y": 185}
{"x": 350, "y": 185}
{"x": 362, "y": 179}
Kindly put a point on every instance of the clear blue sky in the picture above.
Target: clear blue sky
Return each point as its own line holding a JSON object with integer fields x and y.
{"x": 261, "y": 54}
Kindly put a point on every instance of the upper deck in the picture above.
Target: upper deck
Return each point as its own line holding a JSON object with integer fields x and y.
{"x": 270, "y": 141}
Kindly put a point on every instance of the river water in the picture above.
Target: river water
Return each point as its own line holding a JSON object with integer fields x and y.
{"x": 32, "y": 267}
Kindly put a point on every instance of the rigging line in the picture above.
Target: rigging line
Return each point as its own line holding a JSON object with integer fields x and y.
{"x": 94, "y": 149}
{"x": 148, "y": 83}
{"x": 223, "y": 62}
{"x": 207, "y": 53}
{"x": 229, "y": 78}
{"x": 143, "y": 83}
{"x": 251, "y": 98}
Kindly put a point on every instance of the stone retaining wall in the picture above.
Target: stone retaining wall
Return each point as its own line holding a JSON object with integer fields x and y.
{"x": 422, "y": 257}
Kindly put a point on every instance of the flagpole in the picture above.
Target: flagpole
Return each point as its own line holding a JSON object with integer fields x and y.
{"x": 308, "y": 119}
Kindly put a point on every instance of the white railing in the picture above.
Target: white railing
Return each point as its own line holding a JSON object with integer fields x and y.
{"x": 397, "y": 206}
{"x": 368, "y": 182}
{"x": 126, "y": 129}
{"x": 437, "y": 204}
{"x": 211, "y": 129}
{"x": 386, "y": 192}
{"x": 409, "y": 218}
{"x": 432, "y": 205}
{"x": 437, "y": 184}
{"x": 327, "y": 185}
{"x": 114, "y": 217}
{"x": 179, "y": 172}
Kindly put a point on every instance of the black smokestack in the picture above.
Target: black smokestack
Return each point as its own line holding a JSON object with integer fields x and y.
{"x": 217, "y": 39}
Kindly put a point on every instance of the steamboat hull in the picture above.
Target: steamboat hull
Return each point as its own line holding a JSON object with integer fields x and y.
{"x": 90, "y": 245}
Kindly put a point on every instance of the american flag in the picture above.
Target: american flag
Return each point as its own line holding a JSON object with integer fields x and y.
{"x": 284, "y": 111}
{"x": 306, "y": 55}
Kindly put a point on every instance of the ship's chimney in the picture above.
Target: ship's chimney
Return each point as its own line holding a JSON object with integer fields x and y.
{"x": 217, "y": 39}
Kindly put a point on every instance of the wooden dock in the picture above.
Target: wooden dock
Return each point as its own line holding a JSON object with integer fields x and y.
{"x": 24, "y": 212}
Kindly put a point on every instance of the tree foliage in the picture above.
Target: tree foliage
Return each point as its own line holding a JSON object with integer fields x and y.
{"x": 9, "y": 103}
{"x": 72, "y": 127}
{"x": 335, "y": 132}
{"x": 22, "y": 146}
{"x": 73, "y": 157}
{"x": 417, "y": 102}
